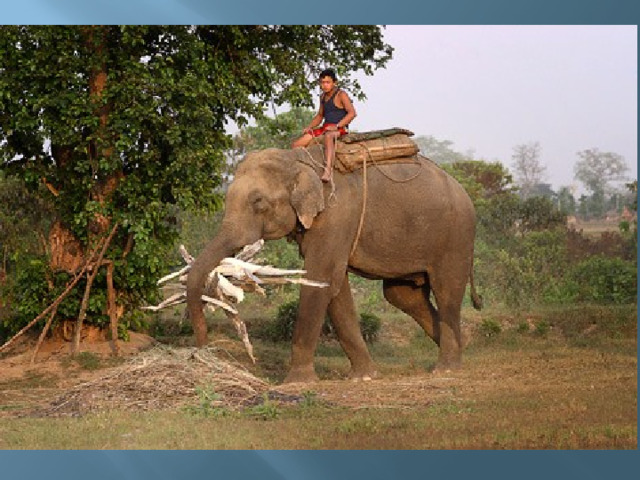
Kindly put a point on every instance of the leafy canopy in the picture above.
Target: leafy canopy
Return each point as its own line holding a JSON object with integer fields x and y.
{"x": 128, "y": 122}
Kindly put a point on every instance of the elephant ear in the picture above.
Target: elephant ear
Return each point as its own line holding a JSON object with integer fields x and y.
{"x": 306, "y": 197}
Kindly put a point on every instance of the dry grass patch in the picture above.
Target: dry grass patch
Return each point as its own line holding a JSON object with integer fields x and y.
{"x": 162, "y": 378}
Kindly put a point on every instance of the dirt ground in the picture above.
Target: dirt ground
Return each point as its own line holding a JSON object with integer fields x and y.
{"x": 147, "y": 370}
{"x": 149, "y": 376}
{"x": 34, "y": 385}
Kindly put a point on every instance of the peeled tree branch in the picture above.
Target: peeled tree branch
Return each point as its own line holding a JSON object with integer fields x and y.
{"x": 227, "y": 283}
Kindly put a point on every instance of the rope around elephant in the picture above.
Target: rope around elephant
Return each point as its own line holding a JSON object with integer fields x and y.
{"x": 333, "y": 196}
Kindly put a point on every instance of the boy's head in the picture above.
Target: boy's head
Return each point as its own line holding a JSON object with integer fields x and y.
{"x": 327, "y": 80}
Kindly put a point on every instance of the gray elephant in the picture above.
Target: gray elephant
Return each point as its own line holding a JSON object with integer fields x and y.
{"x": 416, "y": 234}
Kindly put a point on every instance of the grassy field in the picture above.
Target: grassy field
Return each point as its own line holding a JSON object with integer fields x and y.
{"x": 557, "y": 378}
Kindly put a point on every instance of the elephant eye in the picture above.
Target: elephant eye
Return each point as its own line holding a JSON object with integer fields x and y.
{"x": 259, "y": 204}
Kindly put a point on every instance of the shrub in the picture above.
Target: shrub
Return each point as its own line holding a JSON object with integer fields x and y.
{"x": 527, "y": 273}
{"x": 542, "y": 328}
{"x": 88, "y": 360}
{"x": 370, "y": 326}
{"x": 604, "y": 280}
{"x": 490, "y": 327}
{"x": 281, "y": 328}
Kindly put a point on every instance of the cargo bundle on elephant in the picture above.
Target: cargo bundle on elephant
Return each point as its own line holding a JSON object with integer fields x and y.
{"x": 354, "y": 150}
{"x": 403, "y": 220}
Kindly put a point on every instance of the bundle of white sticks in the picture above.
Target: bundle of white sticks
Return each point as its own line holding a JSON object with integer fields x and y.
{"x": 227, "y": 283}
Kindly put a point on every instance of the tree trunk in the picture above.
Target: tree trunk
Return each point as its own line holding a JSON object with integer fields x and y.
{"x": 67, "y": 253}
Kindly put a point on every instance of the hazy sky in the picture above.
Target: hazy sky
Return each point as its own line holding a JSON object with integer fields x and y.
{"x": 490, "y": 88}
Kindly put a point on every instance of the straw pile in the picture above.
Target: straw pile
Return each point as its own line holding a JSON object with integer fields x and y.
{"x": 165, "y": 378}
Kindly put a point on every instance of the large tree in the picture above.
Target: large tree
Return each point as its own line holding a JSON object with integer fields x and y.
{"x": 596, "y": 169}
{"x": 276, "y": 132}
{"x": 528, "y": 168}
{"x": 124, "y": 123}
{"x": 440, "y": 151}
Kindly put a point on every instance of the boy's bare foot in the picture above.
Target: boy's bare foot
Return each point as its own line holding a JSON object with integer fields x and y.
{"x": 326, "y": 177}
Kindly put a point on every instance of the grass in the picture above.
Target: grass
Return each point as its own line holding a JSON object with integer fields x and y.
{"x": 566, "y": 381}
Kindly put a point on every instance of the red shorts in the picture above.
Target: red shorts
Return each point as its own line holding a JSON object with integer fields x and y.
{"x": 316, "y": 132}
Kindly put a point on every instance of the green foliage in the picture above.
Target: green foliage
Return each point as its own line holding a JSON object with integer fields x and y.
{"x": 491, "y": 189}
{"x": 629, "y": 229}
{"x": 439, "y": 151}
{"x": 370, "y": 325}
{"x": 604, "y": 280}
{"x": 209, "y": 403}
{"x": 280, "y": 329}
{"x": 25, "y": 218}
{"x": 528, "y": 168}
{"x": 596, "y": 169}
{"x": 539, "y": 213}
{"x": 276, "y": 132}
{"x": 88, "y": 360}
{"x": 282, "y": 253}
{"x": 128, "y": 122}
{"x": 267, "y": 409}
{"x": 36, "y": 286}
{"x": 489, "y": 327}
{"x": 566, "y": 201}
{"x": 539, "y": 269}
{"x": 542, "y": 328}
{"x": 309, "y": 399}
{"x": 529, "y": 271}
{"x": 481, "y": 179}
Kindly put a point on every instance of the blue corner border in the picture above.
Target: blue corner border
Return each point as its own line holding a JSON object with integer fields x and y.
{"x": 398, "y": 12}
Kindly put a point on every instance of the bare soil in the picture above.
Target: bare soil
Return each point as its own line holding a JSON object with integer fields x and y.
{"x": 149, "y": 377}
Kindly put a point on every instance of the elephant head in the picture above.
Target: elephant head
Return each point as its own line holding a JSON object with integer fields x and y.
{"x": 270, "y": 192}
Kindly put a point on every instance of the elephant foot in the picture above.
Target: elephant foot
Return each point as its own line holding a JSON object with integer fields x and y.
{"x": 447, "y": 366}
{"x": 301, "y": 375}
{"x": 363, "y": 375}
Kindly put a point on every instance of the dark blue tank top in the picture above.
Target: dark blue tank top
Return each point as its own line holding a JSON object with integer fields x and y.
{"x": 332, "y": 114}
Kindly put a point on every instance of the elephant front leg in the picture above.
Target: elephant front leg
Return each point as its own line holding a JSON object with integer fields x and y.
{"x": 344, "y": 318}
{"x": 306, "y": 332}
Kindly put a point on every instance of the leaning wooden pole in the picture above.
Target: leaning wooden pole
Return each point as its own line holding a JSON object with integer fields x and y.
{"x": 77, "y": 334}
{"x": 43, "y": 334}
{"x": 112, "y": 309}
{"x": 54, "y": 305}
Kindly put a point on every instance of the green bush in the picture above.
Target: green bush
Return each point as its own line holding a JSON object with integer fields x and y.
{"x": 527, "y": 273}
{"x": 604, "y": 280}
{"x": 370, "y": 326}
{"x": 280, "y": 329}
{"x": 542, "y": 328}
{"x": 490, "y": 327}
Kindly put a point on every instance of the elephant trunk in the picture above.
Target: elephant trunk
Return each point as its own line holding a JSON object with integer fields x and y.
{"x": 220, "y": 247}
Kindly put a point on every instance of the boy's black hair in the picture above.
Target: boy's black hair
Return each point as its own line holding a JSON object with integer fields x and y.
{"x": 329, "y": 72}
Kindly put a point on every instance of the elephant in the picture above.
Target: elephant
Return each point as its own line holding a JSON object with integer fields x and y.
{"x": 410, "y": 225}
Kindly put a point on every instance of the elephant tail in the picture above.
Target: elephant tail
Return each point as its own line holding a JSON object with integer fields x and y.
{"x": 476, "y": 299}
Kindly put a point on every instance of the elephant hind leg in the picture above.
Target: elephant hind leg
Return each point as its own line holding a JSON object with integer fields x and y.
{"x": 414, "y": 301}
